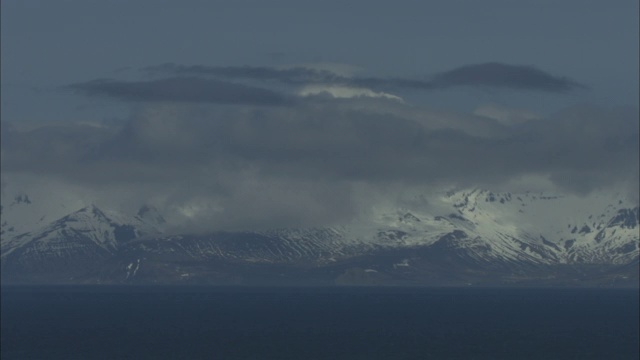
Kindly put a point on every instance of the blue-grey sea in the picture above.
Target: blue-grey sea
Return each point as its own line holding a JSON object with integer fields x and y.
{"x": 110, "y": 322}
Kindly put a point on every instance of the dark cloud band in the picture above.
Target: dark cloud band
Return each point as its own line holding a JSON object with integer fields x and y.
{"x": 181, "y": 89}
{"x": 498, "y": 75}
{"x": 515, "y": 77}
{"x": 295, "y": 75}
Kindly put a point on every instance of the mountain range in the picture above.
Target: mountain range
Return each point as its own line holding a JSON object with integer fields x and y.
{"x": 468, "y": 237}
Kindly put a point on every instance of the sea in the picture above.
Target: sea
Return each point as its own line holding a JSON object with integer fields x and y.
{"x": 125, "y": 322}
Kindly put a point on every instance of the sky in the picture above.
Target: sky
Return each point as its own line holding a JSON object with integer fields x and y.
{"x": 314, "y": 111}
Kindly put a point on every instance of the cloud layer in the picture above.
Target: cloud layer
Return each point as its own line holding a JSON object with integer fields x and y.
{"x": 515, "y": 77}
{"x": 237, "y": 85}
{"x": 217, "y": 154}
{"x": 313, "y": 164}
{"x": 498, "y": 75}
{"x": 181, "y": 89}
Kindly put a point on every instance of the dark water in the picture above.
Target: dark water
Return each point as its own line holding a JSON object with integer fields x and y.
{"x": 219, "y": 323}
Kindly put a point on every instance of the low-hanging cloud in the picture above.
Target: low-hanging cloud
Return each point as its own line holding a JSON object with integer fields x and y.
{"x": 244, "y": 167}
{"x": 498, "y": 75}
{"x": 181, "y": 89}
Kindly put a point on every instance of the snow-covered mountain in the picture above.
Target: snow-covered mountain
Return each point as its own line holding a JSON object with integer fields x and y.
{"x": 471, "y": 232}
{"x": 87, "y": 227}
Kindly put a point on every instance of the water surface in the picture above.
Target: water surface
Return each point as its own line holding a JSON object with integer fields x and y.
{"x": 317, "y": 323}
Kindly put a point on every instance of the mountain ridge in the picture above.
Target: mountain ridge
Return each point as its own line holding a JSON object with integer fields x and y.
{"x": 471, "y": 232}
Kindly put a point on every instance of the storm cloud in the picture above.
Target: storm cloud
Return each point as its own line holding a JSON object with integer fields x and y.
{"x": 307, "y": 165}
{"x": 497, "y": 75}
{"x": 273, "y": 159}
{"x": 326, "y": 120}
{"x": 345, "y": 142}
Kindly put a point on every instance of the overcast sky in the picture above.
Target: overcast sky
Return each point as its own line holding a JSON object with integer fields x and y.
{"x": 304, "y": 109}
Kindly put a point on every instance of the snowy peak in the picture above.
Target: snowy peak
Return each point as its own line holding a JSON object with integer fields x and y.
{"x": 529, "y": 226}
{"x": 108, "y": 228}
{"x": 89, "y": 226}
{"x": 26, "y": 208}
